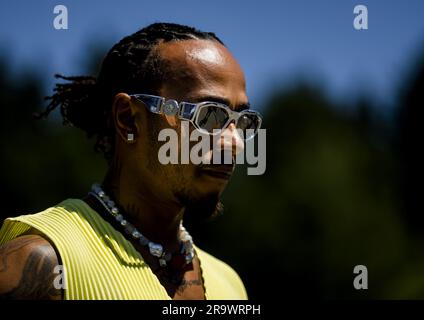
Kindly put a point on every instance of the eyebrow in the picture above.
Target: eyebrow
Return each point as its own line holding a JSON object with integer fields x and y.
{"x": 240, "y": 107}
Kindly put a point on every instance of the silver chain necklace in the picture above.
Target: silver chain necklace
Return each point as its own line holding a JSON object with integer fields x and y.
{"x": 155, "y": 249}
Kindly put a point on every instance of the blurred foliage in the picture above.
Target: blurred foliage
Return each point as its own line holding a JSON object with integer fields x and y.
{"x": 341, "y": 189}
{"x": 41, "y": 160}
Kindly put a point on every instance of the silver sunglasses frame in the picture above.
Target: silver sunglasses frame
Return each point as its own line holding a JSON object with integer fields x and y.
{"x": 191, "y": 111}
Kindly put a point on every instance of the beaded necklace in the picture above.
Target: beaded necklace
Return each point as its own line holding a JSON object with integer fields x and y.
{"x": 155, "y": 249}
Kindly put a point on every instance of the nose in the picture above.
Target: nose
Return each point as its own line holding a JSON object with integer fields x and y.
{"x": 231, "y": 140}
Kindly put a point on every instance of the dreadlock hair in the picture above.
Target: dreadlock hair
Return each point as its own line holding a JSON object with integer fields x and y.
{"x": 132, "y": 65}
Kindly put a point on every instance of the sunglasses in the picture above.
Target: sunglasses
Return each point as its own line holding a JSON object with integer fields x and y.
{"x": 208, "y": 117}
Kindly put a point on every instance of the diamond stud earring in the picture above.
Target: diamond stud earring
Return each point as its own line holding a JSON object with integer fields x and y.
{"x": 130, "y": 137}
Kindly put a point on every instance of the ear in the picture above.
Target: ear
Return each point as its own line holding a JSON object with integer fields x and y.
{"x": 124, "y": 116}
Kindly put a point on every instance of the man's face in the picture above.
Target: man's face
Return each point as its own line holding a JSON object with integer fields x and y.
{"x": 196, "y": 71}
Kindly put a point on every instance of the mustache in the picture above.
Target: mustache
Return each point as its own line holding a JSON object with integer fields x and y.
{"x": 223, "y": 167}
{"x": 219, "y": 166}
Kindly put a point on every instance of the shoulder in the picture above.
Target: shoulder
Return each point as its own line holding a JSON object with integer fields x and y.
{"x": 65, "y": 211}
{"x": 214, "y": 261}
{"x": 222, "y": 272}
{"x": 27, "y": 265}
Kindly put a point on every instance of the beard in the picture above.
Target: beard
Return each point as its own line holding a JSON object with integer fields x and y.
{"x": 199, "y": 210}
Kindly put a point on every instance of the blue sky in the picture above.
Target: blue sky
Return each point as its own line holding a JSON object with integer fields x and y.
{"x": 276, "y": 42}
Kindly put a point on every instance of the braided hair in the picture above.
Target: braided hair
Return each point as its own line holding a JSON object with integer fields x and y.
{"x": 132, "y": 65}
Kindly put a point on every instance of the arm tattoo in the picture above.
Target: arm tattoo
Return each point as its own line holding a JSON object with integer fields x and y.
{"x": 7, "y": 250}
{"x": 37, "y": 276}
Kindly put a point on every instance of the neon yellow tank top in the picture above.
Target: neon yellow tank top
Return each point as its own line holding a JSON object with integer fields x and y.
{"x": 99, "y": 263}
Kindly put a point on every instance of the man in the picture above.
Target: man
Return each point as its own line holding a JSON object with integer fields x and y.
{"x": 135, "y": 246}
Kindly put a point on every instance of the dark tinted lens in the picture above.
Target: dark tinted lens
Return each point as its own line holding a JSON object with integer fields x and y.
{"x": 248, "y": 121}
{"x": 212, "y": 117}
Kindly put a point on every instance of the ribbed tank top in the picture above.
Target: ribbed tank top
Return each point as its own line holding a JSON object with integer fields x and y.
{"x": 99, "y": 263}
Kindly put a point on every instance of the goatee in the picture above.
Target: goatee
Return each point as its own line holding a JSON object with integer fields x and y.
{"x": 199, "y": 211}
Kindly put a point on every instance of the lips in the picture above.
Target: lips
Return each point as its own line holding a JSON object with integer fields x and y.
{"x": 222, "y": 171}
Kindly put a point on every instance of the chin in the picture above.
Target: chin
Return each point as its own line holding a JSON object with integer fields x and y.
{"x": 206, "y": 189}
{"x": 202, "y": 203}
{"x": 210, "y": 181}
